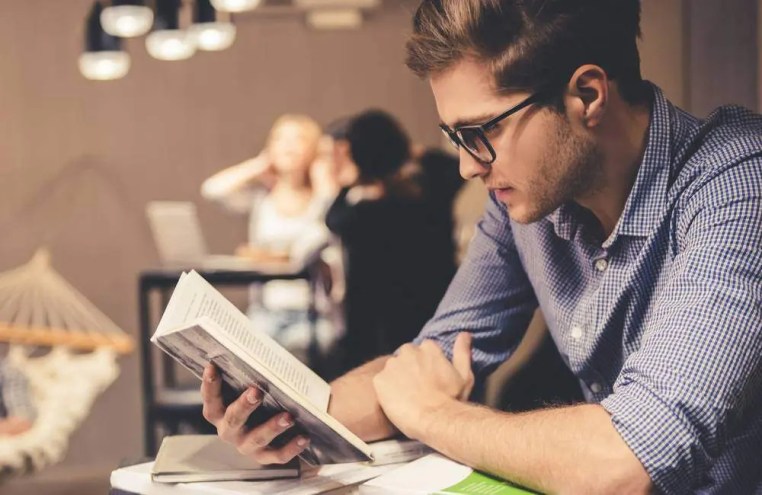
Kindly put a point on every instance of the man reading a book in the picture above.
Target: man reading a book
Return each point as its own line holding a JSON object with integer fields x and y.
{"x": 633, "y": 226}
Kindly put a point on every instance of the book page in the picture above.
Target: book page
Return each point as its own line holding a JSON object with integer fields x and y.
{"x": 137, "y": 479}
{"x": 173, "y": 313}
{"x": 327, "y": 479}
{"x": 436, "y": 474}
{"x": 398, "y": 450}
{"x": 194, "y": 298}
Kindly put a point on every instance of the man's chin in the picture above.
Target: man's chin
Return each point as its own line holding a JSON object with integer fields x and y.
{"x": 524, "y": 215}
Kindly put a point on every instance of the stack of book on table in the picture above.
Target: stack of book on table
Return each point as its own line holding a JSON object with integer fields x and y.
{"x": 196, "y": 464}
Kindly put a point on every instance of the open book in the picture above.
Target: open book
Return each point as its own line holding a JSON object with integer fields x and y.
{"x": 200, "y": 326}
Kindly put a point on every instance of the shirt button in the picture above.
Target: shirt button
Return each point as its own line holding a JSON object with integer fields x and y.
{"x": 601, "y": 265}
{"x": 576, "y": 333}
{"x": 596, "y": 387}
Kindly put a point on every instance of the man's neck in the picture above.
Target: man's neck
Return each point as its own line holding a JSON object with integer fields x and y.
{"x": 623, "y": 139}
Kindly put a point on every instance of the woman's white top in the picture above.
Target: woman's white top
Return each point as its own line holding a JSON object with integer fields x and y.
{"x": 302, "y": 236}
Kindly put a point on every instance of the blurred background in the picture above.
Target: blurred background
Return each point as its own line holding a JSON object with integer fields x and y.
{"x": 80, "y": 159}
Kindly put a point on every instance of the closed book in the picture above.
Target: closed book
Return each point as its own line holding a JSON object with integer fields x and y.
{"x": 194, "y": 458}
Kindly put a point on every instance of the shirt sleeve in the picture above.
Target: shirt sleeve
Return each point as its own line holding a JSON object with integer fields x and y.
{"x": 341, "y": 216}
{"x": 490, "y": 296}
{"x": 696, "y": 377}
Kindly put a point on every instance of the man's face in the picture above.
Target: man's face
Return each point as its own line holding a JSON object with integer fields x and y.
{"x": 543, "y": 160}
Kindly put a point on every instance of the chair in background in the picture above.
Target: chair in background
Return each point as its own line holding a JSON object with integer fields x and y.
{"x": 534, "y": 376}
{"x": 66, "y": 350}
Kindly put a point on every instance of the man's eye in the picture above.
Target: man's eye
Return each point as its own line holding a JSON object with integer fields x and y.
{"x": 494, "y": 129}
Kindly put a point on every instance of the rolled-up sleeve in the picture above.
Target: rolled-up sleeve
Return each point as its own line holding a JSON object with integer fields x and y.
{"x": 696, "y": 378}
{"x": 489, "y": 296}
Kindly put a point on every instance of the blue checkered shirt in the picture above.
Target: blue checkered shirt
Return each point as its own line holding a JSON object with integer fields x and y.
{"x": 662, "y": 322}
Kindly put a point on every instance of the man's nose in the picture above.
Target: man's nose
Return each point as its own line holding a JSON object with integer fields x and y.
{"x": 470, "y": 167}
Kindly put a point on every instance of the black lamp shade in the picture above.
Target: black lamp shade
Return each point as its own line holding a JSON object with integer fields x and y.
{"x": 139, "y": 3}
{"x": 203, "y": 11}
{"x": 167, "y": 15}
{"x": 96, "y": 39}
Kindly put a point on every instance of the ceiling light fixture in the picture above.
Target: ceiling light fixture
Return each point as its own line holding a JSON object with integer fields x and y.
{"x": 337, "y": 4}
{"x": 207, "y": 31}
{"x": 331, "y": 19}
{"x": 103, "y": 58}
{"x": 167, "y": 41}
{"x": 235, "y": 5}
{"x": 127, "y": 18}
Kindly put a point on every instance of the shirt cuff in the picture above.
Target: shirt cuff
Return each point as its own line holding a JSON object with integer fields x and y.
{"x": 661, "y": 438}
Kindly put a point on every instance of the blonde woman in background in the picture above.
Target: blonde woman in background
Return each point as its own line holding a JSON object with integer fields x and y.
{"x": 286, "y": 191}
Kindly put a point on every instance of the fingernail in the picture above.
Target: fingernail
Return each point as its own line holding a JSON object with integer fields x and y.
{"x": 252, "y": 397}
{"x": 285, "y": 421}
{"x": 301, "y": 441}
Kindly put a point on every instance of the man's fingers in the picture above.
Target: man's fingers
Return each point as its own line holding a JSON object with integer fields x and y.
{"x": 211, "y": 394}
{"x": 407, "y": 349}
{"x": 429, "y": 345}
{"x": 283, "y": 454}
{"x": 461, "y": 356}
{"x": 260, "y": 436}
{"x": 231, "y": 426}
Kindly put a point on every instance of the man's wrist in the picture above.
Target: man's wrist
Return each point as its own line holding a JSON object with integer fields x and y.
{"x": 433, "y": 416}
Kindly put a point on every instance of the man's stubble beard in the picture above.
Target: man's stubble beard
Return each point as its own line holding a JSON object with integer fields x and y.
{"x": 571, "y": 167}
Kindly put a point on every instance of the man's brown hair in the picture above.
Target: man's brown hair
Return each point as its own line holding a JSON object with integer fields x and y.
{"x": 531, "y": 44}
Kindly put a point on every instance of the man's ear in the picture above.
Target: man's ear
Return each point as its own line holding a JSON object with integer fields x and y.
{"x": 588, "y": 94}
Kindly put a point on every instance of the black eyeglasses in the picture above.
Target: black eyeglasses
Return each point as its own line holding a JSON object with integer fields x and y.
{"x": 473, "y": 138}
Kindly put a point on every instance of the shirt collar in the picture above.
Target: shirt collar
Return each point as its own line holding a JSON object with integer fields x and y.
{"x": 563, "y": 222}
{"x": 648, "y": 197}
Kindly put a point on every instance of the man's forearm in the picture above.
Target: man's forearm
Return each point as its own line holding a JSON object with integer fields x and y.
{"x": 354, "y": 402}
{"x": 570, "y": 450}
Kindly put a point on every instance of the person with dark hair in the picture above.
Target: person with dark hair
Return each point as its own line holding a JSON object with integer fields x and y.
{"x": 632, "y": 225}
{"x": 378, "y": 145}
{"x": 396, "y": 268}
{"x": 334, "y": 152}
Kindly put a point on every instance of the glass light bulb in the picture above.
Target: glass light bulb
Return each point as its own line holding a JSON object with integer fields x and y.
{"x": 170, "y": 44}
{"x": 213, "y": 36}
{"x": 127, "y": 21}
{"x": 104, "y": 66}
{"x": 235, "y": 5}
{"x": 335, "y": 19}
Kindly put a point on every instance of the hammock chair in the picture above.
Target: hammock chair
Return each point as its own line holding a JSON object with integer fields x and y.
{"x": 64, "y": 347}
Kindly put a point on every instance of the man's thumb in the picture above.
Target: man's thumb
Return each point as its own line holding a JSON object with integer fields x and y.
{"x": 461, "y": 355}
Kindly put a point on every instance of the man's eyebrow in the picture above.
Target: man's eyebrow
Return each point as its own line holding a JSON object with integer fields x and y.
{"x": 475, "y": 120}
